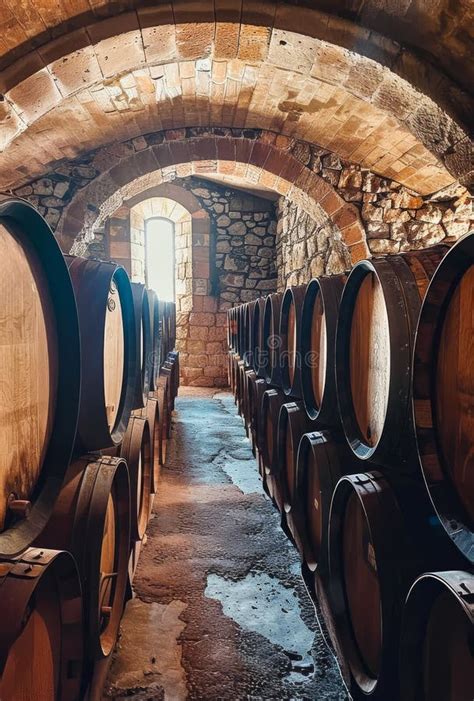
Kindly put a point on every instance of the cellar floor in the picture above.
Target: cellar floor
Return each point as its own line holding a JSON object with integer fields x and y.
{"x": 220, "y": 610}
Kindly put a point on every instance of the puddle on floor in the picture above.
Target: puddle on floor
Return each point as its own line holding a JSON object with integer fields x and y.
{"x": 261, "y": 604}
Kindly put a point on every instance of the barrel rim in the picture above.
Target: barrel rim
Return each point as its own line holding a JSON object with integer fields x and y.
{"x": 19, "y": 214}
{"x": 138, "y": 431}
{"x": 144, "y": 365}
{"x": 292, "y": 295}
{"x": 442, "y": 493}
{"x": 257, "y": 335}
{"x": 271, "y": 355}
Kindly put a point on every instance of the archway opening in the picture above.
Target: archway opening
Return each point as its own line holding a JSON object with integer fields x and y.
{"x": 160, "y": 258}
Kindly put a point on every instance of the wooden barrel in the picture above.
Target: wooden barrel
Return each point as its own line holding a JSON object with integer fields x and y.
{"x": 165, "y": 346}
{"x": 239, "y": 386}
{"x": 272, "y": 401}
{"x": 374, "y": 342}
{"x": 155, "y": 327}
{"x": 151, "y": 413}
{"x": 290, "y": 333}
{"x": 137, "y": 450}
{"x": 41, "y": 636}
{"x": 271, "y": 341}
{"x": 173, "y": 357}
{"x": 248, "y": 380}
{"x": 256, "y": 388}
{"x": 108, "y": 351}
{"x": 91, "y": 519}
{"x": 161, "y": 394}
{"x": 241, "y": 331}
{"x": 443, "y": 393}
{"x": 292, "y": 424}
{"x": 257, "y": 337}
{"x": 317, "y": 341}
{"x": 436, "y": 644}
{"x": 249, "y": 313}
{"x": 144, "y": 348}
{"x": 40, "y": 373}
{"x": 371, "y": 570}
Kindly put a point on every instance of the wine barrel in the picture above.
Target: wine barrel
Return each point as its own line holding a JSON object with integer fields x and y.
{"x": 137, "y": 450}
{"x": 317, "y": 341}
{"x": 323, "y": 458}
{"x": 249, "y": 313}
{"x": 108, "y": 351}
{"x": 155, "y": 327}
{"x": 161, "y": 396}
{"x": 91, "y": 519}
{"x": 239, "y": 386}
{"x": 165, "y": 330}
{"x": 40, "y": 371}
{"x": 41, "y": 636}
{"x": 436, "y": 644}
{"x": 443, "y": 393}
{"x": 257, "y": 338}
{"x": 173, "y": 360}
{"x": 290, "y": 333}
{"x": 292, "y": 424}
{"x": 272, "y": 401}
{"x": 371, "y": 569}
{"x": 241, "y": 331}
{"x": 378, "y": 313}
{"x": 271, "y": 341}
{"x": 144, "y": 349}
{"x": 249, "y": 378}
{"x": 256, "y": 388}
{"x": 152, "y": 415}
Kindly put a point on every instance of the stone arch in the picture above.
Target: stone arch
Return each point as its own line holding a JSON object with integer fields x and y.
{"x": 266, "y": 161}
{"x": 117, "y": 76}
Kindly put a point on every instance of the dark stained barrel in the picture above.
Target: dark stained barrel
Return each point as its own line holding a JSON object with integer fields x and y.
{"x": 161, "y": 394}
{"x": 40, "y": 373}
{"x": 256, "y": 387}
{"x": 317, "y": 342}
{"x": 292, "y": 424}
{"x": 108, "y": 351}
{"x": 272, "y": 401}
{"x": 152, "y": 415}
{"x": 144, "y": 347}
{"x": 249, "y": 313}
{"x": 91, "y": 519}
{"x": 271, "y": 342}
{"x": 322, "y": 460}
{"x": 239, "y": 386}
{"x": 436, "y": 644}
{"x": 375, "y": 335}
{"x": 257, "y": 337}
{"x": 155, "y": 327}
{"x": 241, "y": 335}
{"x": 290, "y": 334}
{"x": 173, "y": 360}
{"x": 371, "y": 570}
{"x": 41, "y": 637}
{"x": 137, "y": 450}
{"x": 443, "y": 393}
{"x": 249, "y": 378}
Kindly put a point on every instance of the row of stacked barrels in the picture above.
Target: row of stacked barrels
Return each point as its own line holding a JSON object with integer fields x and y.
{"x": 88, "y": 378}
{"x": 357, "y": 393}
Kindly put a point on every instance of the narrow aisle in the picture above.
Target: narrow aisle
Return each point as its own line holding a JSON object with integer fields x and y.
{"x": 220, "y": 610}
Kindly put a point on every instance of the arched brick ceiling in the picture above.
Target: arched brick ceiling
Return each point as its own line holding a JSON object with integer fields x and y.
{"x": 158, "y": 69}
{"x": 441, "y": 30}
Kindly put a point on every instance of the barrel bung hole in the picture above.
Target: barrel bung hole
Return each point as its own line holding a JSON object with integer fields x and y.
{"x": 454, "y": 393}
{"x": 362, "y": 586}
{"x": 369, "y": 359}
{"x": 448, "y": 654}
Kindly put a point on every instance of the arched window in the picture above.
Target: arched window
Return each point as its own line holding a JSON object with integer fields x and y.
{"x": 160, "y": 257}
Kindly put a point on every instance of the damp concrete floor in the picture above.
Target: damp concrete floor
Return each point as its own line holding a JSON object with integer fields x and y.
{"x": 220, "y": 610}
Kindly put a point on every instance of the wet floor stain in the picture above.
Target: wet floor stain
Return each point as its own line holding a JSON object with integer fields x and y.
{"x": 261, "y": 604}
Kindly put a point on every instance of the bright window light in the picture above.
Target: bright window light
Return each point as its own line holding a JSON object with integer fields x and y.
{"x": 160, "y": 261}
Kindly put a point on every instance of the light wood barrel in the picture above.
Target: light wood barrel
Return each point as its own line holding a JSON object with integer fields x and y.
{"x": 317, "y": 341}
{"x": 272, "y": 401}
{"x": 108, "y": 351}
{"x": 372, "y": 566}
{"x": 375, "y": 335}
{"x": 40, "y": 373}
{"x": 41, "y": 636}
{"x": 443, "y": 393}
{"x": 144, "y": 348}
{"x": 152, "y": 415}
{"x": 257, "y": 337}
{"x": 322, "y": 460}
{"x": 91, "y": 519}
{"x": 436, "y": 654}
{"x": 155, "y": 326}
{"x": 292, "y": 424}
{"x": 290, "y": 333}
{"x": 137, "y": 450}
{"x": 271, "y": 341}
